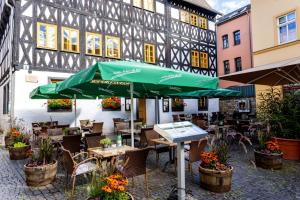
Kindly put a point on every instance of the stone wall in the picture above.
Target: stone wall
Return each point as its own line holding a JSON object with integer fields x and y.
{"x": 230, "y": 105}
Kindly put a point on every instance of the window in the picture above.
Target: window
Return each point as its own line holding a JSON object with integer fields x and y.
{"x": 137, "y": 3}
{"x": 203, "y": 60}
{"x": 237, "y": 37}
{"x": 225, "y": 41}
{"x": 194, "y": 20}
{"x": 70, "y": 39}
{"x": 226, "y": 67}
{"x": 184, "y": 16}
{"x": 203, "y": 23}
{"x": 174, "y": 13}
{"x": 287, "y": 28}
{"x": 238, "y": 64}
{"x": 46, "y": 36}
{"x": 202, "y": 104}
{"x": 195, "y": 58}
{"x": 112, "y": 47}
{"x": 6, "y": 99}
{"x": 149, "y": 5}
{"x": 94, "y": 44}
{"x": 149, "y": 51}
{"x": 160, "y": 8}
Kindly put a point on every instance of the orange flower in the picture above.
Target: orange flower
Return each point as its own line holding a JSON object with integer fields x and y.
{"x": 272, "y": 146}
{"x": 121, "y": 188}
{"x": 106, "y": 189}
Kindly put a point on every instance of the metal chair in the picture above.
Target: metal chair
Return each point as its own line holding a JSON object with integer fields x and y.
{"x": 74, "y": 168}
{"x": 135, "y": 165}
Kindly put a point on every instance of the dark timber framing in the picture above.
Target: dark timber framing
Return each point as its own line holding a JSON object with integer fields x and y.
{"x": 172, "y": 38}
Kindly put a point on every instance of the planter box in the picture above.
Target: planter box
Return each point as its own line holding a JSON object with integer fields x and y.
{"x": 289, "y": 147}
{"x": 215, "y": 181}
{"x": 111, "y": 109}
{"x": 268, "y": 161}
{"x": 41, "y": 175}
{"x": 18, "y": 153}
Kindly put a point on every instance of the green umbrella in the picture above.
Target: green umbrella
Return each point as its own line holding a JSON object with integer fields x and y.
{"x": 49, "y": 92}
{"x": 220, "y": 92}
{"x": 114, "y": 78}
{"x": 134, "y": 79}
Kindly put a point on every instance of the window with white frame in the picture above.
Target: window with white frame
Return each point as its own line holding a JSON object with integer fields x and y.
{"x": 287, "y": 29}
{"x": 160, "y": 8}
{"x": 174, "y": 13}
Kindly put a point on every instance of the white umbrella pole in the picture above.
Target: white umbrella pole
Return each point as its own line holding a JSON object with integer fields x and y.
{"x": 75, "y": 109}
{"x": 131, "y": 114}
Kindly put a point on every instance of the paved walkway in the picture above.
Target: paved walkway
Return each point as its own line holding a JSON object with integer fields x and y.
{"x": 248, "y": 182}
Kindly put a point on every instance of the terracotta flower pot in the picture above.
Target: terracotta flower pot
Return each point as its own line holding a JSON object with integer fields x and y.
{"x": 289, "y": 147}
{"x": 268, "y": 161}
{"x": 214, "y": 180}
{"x": 40, "y": 175}
{"x": 18, "y": 153}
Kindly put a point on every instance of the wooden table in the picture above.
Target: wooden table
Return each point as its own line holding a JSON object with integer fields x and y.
{"x": 128, "y": 131}
{"x": 99, "y": 152}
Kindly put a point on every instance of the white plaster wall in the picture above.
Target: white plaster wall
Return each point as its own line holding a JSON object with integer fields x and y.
{"x": 190, "y": 108}
{"x": 4, "y": 119}
{"x": 35, "y": 110}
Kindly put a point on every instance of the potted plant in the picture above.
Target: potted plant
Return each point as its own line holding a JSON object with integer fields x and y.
{"x": 215, "y": 172}
{"x": 267, "y": 155}
{"x": 19, "y": 146}
{"x": 106, "y": 142}
{"x": 41, "y": 169}
{"x": 111, "y": 188}
{"x": 281, "y": 116}
{"x": 111, "y": 103}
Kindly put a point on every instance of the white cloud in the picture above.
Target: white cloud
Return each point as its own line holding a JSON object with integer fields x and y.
{"x": 226, "y": 6}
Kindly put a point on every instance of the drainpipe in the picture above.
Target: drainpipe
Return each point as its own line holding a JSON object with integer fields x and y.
{"x": 250, "y": 38}
{"x": 10, "y": 70}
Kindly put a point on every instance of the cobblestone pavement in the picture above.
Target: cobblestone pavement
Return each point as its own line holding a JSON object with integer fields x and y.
{"x": 248, "y": 182}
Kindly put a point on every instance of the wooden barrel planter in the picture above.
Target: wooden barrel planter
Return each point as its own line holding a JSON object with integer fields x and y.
{"x": 19, "y": 153}
{"x": 289, "y": 147}
{"x": 40, "y": 175}
{"x": 215, "y": 181}
{"x": 7, "y": 141}
{"x": 268, "y": 161}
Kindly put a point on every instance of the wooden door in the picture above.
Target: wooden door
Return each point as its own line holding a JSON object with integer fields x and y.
{"x": 142, "y": 110}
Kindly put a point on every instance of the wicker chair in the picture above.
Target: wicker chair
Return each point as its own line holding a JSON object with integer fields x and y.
{"x": 135, "y": 165}
{"x": 176, "y": 118}
{"x": 72, "y": 143}
{"x": 121, "y": 126}
{"x": 97, "y": 127}
{"x": 74, "y": 168}
{"x": 94, "y": 141}
{"x": 196, "y": 147}
{"x": 143, "y": 139}
{"x": 72, "y": 131}
{"x": 202, "y": 124}
{"x": 150, "y": 135}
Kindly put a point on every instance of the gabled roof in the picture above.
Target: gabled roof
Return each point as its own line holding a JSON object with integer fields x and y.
{"x": 234, "y": 14}
{"x": 202, "y": 4}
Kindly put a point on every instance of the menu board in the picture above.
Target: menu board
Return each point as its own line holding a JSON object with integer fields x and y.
{"x": 180, "y": 131}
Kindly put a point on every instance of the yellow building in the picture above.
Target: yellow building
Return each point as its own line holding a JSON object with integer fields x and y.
{"x": 275, "y": 32}
{"x": 275, "y": 45}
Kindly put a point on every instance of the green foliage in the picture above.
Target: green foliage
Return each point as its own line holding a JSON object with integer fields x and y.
{"x": 46, "y": 151}
{"x": 105, "y": 141}
{"x": 221, "y": 149}
{"x": 281, "y": 115}
{"x": 19, "y": 144}
{"x": 262, "y": 139}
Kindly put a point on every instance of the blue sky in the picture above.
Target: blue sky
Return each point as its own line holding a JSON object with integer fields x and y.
{"x": 226, "y": 6}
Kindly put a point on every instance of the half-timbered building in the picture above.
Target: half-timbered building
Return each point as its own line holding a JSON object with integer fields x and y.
{"x": 43, "y": 41}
